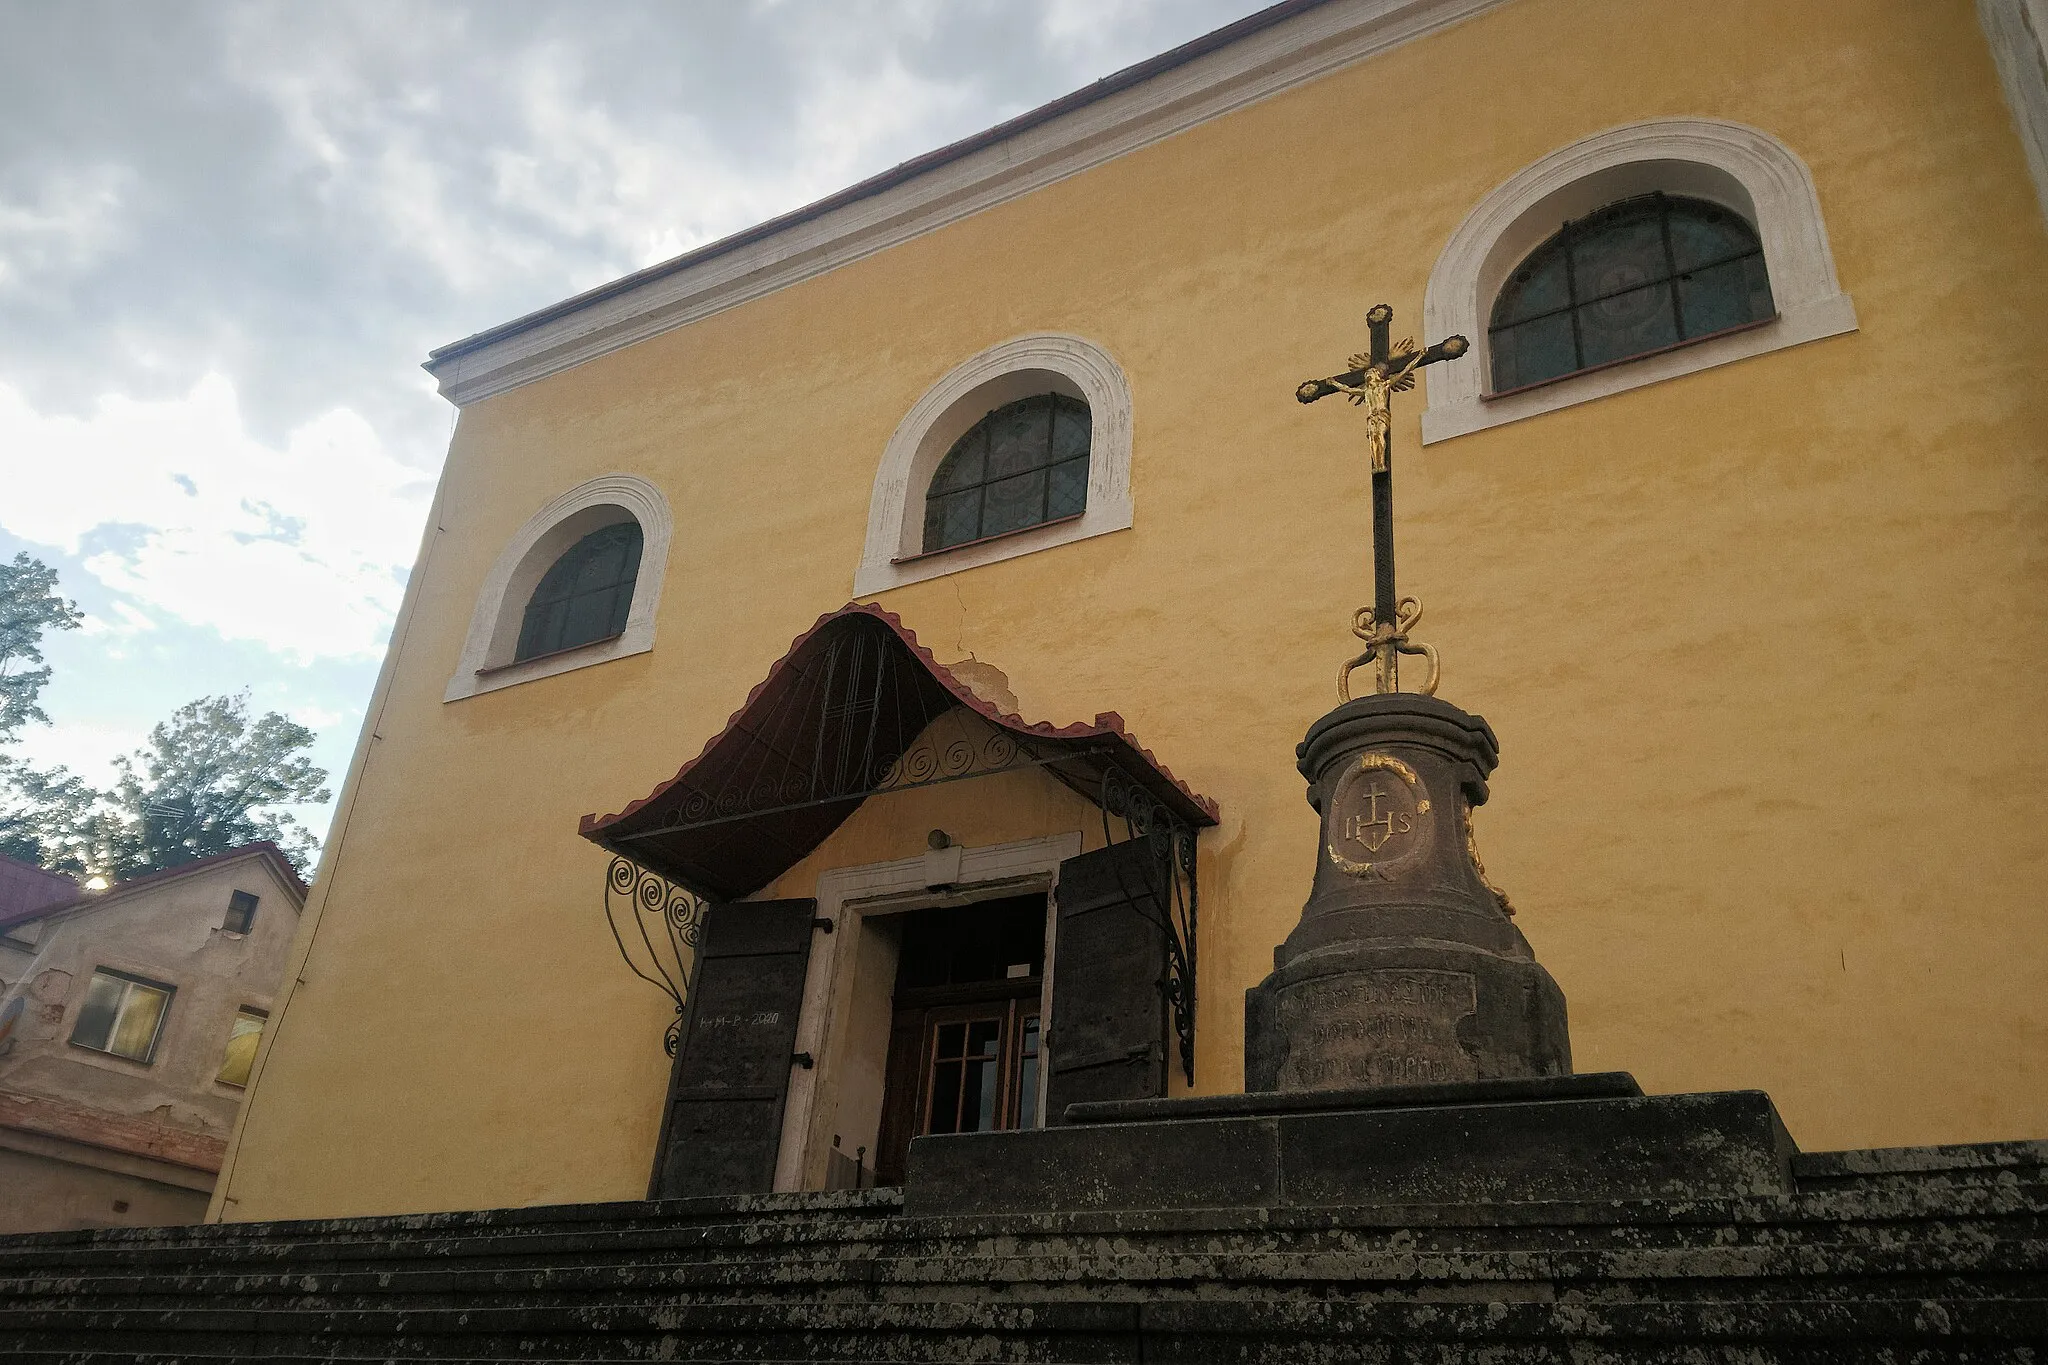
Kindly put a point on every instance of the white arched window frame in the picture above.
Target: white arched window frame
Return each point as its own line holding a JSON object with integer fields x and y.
{"x": 1023, "y": 367}
{"x": 486, "y": 663}
{"x": 1741, "y": 168}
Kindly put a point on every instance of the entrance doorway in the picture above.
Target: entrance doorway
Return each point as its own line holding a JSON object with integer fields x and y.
{"x": 964, "y": 1040}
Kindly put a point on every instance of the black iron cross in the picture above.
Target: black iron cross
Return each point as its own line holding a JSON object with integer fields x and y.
{"x": 1370, "y": 383}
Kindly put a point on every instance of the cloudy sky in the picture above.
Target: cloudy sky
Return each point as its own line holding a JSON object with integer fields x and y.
{"x": 229, "y": 233}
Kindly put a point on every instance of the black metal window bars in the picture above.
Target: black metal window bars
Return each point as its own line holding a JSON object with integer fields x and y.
{"x": 585, "y": 595}
{"x": 1637, "y": 277}
{"x": 1023, "y": 465}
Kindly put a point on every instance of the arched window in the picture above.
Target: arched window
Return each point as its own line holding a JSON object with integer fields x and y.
{"x": 507, "y": 646}
{"x": 1727, "y": 166}
{"x": 1034, "y": 365}
{"x": 1634, "y": 278}
{"x": 1025, "y": 464}
{"x": 586, "y": 595}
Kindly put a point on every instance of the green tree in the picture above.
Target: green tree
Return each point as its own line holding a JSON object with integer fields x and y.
{"x": 47, "y": 817}
{"x": 42, "y": 813}
{"x": 29, "y": 605}
{"x": 209, "y": 779}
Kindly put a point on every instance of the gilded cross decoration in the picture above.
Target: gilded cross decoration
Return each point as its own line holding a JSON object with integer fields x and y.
{"x": 1371, "y": 382}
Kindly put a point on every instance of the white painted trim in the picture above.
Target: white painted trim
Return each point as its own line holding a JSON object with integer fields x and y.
{"x": 1742, "y": 168}
{"x": 2018, "y": 33}
{"x": 1256, "y": 67}
{"x": 1018, "y": 368}
{"x": 485, "y": 665}
{"x": 845, "y": 895}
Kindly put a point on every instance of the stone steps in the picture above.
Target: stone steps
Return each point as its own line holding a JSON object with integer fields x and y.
{"x": 910, "y": 1241}
{"x": 1052, "y": 1332}
{"x": 1931, "y": 1254}
{"x": 915, "y": 1256}
{"x": 1360, "y": 1353}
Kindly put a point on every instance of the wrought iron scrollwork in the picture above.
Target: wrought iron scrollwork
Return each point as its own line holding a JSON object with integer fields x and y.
{"x": 665, "y": 920}
{"x": 956, "y": 745}
{"x": 860, "y": 718}
{"x": 1169, "y": 898}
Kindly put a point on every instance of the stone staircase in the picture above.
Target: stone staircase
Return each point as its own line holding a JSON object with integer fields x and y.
{"x": 1916, "y": 1254}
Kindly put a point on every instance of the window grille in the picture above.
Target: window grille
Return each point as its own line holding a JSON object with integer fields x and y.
{"x": 1637, "y": 277}
{"x": 123, "y": 1015}
{"x": 585, "y": 596}
{"x": 1023, "y": 465}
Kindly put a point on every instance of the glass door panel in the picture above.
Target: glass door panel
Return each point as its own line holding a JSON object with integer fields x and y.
{"x": 981, "y": 1069}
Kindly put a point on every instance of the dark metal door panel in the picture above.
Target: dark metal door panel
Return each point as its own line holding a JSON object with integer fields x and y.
{"x": 1108, "y": 1026}
{"x": 723, "y": 1123}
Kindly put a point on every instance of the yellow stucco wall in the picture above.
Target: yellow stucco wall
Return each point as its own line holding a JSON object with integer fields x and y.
{"x": 1762, "y": 644}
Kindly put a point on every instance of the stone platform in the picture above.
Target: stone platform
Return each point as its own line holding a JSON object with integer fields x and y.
{"x": 1537, "y": 1138}
{"x": 1915, "y": 1255}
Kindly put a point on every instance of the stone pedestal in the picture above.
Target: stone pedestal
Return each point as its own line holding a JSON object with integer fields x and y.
{"x": 1575, "y": 1138}
{"x": 1405, "y": 968}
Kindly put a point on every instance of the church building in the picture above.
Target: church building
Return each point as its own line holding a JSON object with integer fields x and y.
{"x": 850, "y": 683}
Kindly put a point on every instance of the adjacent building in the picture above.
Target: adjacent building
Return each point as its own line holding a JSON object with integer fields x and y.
{"x": 126, "y": 1037}
{"x": 26, "y": 891}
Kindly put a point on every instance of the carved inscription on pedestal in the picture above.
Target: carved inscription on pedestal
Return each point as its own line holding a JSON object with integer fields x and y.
{"x": 1379, "y": 819}
{"x": 1389, "y": 1027}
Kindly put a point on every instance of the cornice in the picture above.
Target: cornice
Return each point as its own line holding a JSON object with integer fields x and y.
{"x": 1269, "y": 53}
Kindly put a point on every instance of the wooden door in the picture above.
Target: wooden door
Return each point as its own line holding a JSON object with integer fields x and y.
{"x": 722, "y": 1128}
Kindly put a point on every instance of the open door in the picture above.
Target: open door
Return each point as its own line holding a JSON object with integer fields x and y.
{"x": 963, "y": 1042}
{"x": 1109, "y": 1029}
{"x": 723, "y": 1125}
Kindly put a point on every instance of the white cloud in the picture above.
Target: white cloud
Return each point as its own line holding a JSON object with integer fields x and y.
{"x": 325, "y": 717}
{"x": 87, "y": 748}
{"x": 126, "y": 622}
{"x": 176, "y": 507}
{"x": 70, "y": 222}
{"x": 1099, "y": 33}
{"x": 563, "y": 184}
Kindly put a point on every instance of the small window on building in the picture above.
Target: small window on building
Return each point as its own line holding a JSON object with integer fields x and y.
{"x": 1025, "y": 464}
{"x": 585, "y": 596}
{"x": 242, "y": 1040}
{"x": 1637, "y": 277}
{"x": 241, "y": 912}
{"x": 123, "y": 1015}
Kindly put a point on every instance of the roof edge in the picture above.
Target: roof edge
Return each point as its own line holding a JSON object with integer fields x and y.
{"x": 1254, "y": 58}
{"x": 901, "y": 172}
{"x": 119, "y": 891}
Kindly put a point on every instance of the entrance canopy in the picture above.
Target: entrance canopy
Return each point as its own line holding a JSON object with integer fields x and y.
{"x": 856, "y": 708}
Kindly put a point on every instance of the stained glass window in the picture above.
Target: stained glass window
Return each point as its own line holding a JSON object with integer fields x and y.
{"x": 122, "y": 1014}
{"x": 1638, "y": 276}
{"x": 1023, "y": 465}
{"x": 586, "y": 595}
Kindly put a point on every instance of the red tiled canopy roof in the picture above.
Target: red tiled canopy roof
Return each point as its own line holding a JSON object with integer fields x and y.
{"x": 842, "y": 707}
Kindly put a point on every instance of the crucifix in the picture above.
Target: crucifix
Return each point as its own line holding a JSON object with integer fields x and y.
{"x": 1370, "y": 383}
